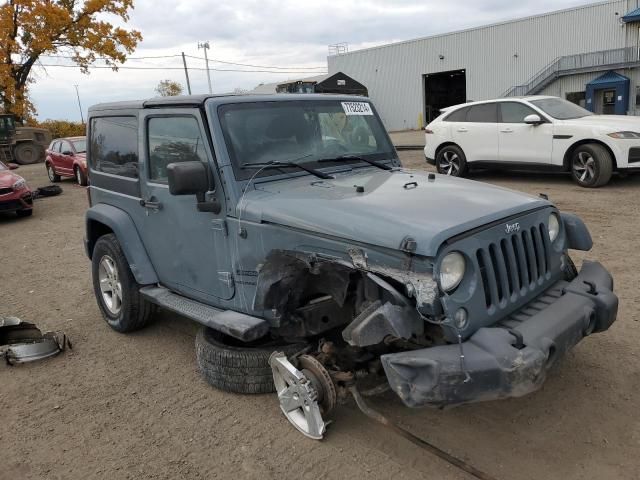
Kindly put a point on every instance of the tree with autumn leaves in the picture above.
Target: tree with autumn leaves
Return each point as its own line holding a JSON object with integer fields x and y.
{"x": 30, "y": 29}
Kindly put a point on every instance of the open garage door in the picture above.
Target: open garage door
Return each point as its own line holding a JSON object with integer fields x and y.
{"x": 443, "y": 89}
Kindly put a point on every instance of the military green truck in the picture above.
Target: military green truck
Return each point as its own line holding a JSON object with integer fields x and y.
{"x": 23, "y": 145}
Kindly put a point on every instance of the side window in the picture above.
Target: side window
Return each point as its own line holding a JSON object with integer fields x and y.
{"x": 114, "y": 145}
{"x": 54, "y": 146}
{"x": 172, "y": 140}
{"x": 459, "y": 115}
{"x": 483, "y": 113}
{"x": 514, "y": 112}
{"x": 64, "y": 147}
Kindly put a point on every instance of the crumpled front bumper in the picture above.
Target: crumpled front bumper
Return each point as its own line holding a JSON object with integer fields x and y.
{"x": 512, "y": 358}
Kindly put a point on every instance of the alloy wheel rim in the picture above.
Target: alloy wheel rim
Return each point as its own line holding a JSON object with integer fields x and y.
{"x": 450, "y": 163}
{"x": 110, "y": 285}
{"x": 50, "y": 172}
{"x": 584, "y": 167}
{"x": 78, "y": 176}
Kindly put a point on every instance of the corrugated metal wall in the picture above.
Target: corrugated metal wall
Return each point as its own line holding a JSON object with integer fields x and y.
{"x": 394, "y": 73}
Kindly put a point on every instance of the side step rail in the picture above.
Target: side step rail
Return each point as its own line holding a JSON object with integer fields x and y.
{"x": 238, "y": 325}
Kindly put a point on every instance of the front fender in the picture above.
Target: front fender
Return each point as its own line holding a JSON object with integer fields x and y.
{"x": 120, "y": 223}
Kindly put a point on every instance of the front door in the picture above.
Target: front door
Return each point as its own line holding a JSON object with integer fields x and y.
{"x": 519, "y": 142}
{"x": 65, "y": 158}
{"x": 188, "y": 248}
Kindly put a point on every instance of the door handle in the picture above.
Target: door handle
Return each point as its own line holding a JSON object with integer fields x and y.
{"x": 151, "y": 204}
{"x": 507, "y": 130}
{"x": 462, "y": 130}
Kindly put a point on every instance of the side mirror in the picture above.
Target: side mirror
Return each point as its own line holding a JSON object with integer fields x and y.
{"x": 533, "y": 119}
{"x": 192, "y": 178}
{"x": 69, "y": 153}
{"x": 187, "y": 178}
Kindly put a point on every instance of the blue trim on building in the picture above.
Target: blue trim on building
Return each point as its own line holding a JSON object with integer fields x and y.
{"x": 632, "y": 16}
{"x": 609, "y": 81}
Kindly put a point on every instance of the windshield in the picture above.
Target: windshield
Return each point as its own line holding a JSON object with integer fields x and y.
{"x": 80, "y": 146}
{"x": 560, "y": 109}
{"x": 303, "y": 132}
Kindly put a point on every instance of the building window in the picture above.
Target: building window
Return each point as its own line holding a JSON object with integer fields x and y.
{"x": 577, "y": 97}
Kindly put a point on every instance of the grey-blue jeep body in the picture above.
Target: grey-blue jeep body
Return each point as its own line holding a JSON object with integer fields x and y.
{"x": 290, "y": 218}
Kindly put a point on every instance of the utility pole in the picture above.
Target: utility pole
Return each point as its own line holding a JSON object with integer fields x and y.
{"x": 186, "y": 73}
{"x": 205, "y": 47}
{"x": 79, "y": 104}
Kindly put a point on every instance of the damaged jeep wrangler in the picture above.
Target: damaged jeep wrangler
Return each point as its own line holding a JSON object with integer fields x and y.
{"x": 317, "y": 264}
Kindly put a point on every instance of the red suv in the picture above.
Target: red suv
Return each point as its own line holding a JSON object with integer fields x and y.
{"x": 15, "y": 194}
{"x": 66, "y": 157}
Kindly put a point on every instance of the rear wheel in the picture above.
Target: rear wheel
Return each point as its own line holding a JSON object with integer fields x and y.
{"x": 115, "y": 288}
{"x": 51, "y": 173}
{"x": 26, "y": 153}
{"x": 451, "y": 161}
{"x": 24, "y": 213}
{"x": 233, "y": 366}
{"x": 591, "y": 165}
{"x": 81, "y": 178}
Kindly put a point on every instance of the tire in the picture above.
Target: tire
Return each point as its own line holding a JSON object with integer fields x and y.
{"x": 570, "y": 271}
{"x": 51, "y": 173}
{"x": 591, "y": 165}
{"x": 228, "y": 365}
{"x": 81, "y": 178}
{"x": 24, "y": 213}
{"x": 128, "y": 311}
{"x": 26, "y": 153}
{"x": 452, "y": 161}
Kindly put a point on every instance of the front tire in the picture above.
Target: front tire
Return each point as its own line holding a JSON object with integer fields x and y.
{"x": 27, "y": 153}
{"x": 591, "y": 165}
{"x": 24, "y": 213}
{"x": 51, "y": 173}
{"x": 452, "y": 161}
{"x": 115, "y": 288}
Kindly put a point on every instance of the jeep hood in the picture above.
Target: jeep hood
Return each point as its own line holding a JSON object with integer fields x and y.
{"x": 393, "y": 206}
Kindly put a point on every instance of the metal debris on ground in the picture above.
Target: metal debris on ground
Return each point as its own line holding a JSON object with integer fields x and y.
{"x": 22, "y": 342}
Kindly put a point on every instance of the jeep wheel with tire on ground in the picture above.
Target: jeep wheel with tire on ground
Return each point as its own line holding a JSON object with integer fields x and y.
{"x": 316, "y": 264}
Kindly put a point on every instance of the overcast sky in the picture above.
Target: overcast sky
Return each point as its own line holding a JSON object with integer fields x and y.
{"x": 290, "y": 34}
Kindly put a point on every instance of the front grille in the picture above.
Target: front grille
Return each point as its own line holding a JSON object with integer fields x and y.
{"x": 4, "y": 191}
{"x": 10, "y": 205}
{"x": 514, "y": 266}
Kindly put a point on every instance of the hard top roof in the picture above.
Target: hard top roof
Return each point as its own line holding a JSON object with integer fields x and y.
{"x": 199, "y": 100}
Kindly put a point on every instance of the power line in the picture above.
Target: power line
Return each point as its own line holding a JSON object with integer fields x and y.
{"x": 270, "y": 67}
{"x": 169, "y": 68}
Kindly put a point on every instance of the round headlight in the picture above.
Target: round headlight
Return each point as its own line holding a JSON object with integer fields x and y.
{"x": 451, "y": 271}
{"x": 554, "y": 226}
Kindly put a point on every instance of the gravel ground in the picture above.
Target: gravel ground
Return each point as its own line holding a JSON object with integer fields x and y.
{"x": 133, "y": 406}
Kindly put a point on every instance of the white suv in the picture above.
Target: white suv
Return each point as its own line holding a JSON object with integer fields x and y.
{"x": 533, "y": 132}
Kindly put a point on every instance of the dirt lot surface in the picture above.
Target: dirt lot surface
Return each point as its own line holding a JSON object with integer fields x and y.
{"x": 133, "y": 406}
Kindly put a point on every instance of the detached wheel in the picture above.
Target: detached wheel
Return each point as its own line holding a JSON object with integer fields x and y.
{"x": 115, "y": 288}
{"x": 591, "y": 165}
{"x": 451, "y": 161}
{"x": 234, "y": 366}
{"x": 81, "y": 178}
{"x": 51, "y": 173}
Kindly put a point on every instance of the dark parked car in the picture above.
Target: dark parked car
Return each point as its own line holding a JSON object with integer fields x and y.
{"x": 66, "y": 157}
{"x": 315, "y": 262}
{"x": 15, "y": 194}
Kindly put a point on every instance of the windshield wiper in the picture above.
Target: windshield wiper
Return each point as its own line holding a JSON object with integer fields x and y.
{"x": 266, "y": 165}
{"x": 355, "y": 157}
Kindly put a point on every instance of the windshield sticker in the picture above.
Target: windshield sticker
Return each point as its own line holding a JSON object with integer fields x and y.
{"x": 357, "y": 108}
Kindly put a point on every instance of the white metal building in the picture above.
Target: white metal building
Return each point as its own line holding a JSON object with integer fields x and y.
{"x": 588, "y": 54}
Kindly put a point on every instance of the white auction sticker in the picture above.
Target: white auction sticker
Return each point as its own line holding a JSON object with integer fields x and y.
{"x": 357, "y": 108}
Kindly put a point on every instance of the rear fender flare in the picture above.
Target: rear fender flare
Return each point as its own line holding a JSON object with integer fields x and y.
{"x": 120, "y": 223}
